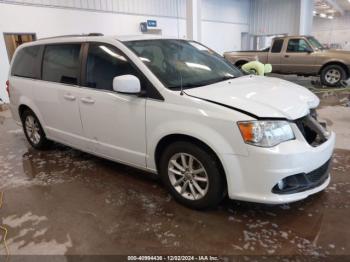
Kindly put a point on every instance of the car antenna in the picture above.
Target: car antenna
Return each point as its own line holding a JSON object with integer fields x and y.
{"x": 181, "y": 86}
{"x": 178, "y": 33}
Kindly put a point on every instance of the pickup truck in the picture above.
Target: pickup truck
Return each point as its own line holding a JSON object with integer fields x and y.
{"x": 301, "y": 55}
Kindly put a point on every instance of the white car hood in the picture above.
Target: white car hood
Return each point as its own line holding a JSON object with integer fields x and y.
{"x": 261, "y": 96}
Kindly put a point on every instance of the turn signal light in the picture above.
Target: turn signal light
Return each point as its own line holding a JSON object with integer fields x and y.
{"x": 247, "y": 131}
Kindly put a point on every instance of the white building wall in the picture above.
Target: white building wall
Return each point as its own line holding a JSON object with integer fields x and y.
{"x": 222, "y": 37}
{"x": 140, "y": 7}
{"x": 335, "y": 31}
{"x": 272, "y": 17}
{"x": 222, "y": 24}
{"x": 306, "y": 17}
{"x": 229, "y": 11}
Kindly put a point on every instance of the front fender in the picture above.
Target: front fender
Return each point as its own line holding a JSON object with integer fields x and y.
{"x": 210, "y": 136}
{"x": 335, "y": 61}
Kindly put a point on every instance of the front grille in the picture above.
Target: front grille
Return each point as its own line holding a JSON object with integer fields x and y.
{"x": 314, "y": 132}
{"x": 302, "y": 182}
{"x": 309, "y": 134}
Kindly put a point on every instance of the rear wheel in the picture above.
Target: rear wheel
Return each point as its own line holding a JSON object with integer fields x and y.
{"x": 239, "y": 64}
{"x": 192, "y": 175}
{"x": 332, "y": 75}
{"x": 34, "y": 131}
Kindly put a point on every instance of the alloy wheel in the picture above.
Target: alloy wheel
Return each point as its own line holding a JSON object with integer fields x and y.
{"x": 188, "y": 176}
{"x": 32, "y": 129}
{"x": 333, "y": 76}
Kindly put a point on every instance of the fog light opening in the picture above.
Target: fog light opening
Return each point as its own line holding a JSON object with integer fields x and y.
{"x": 281, "y": 185}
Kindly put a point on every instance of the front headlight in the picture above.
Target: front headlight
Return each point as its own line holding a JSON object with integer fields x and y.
{"x": 265, "y": 133}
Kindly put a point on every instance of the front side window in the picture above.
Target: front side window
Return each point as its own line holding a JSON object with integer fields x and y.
{"x": 183, "y": 63}
{"x": 25, "y": 63}
{"x": 298, "y": 46}
{"x": 104, "y": 62}
{"x": 61, "y": 63}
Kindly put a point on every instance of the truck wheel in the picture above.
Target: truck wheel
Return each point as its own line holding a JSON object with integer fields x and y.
{"x": 239, "y": 64}
{"x": 192, "y": 175}
{"x": 332, "y": 75}
{"x": 34, "y": 131}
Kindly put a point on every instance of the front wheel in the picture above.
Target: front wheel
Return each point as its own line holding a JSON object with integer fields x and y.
{"x": 332, "y": 75}
{"x": 192, "y": 175}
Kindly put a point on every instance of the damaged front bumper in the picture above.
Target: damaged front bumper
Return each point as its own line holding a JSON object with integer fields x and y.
{"x": 288, "y": 172}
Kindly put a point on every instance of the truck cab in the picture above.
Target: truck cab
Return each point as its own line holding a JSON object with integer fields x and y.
{"x": 293, "y": 55}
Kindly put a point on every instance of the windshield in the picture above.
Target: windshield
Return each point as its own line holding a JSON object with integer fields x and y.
{"x": 180, "y": 62}
{"x": 315, "y": 44}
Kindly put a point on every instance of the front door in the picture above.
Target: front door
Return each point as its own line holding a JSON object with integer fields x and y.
{"x": 298, "y": 58}
{"x": 113, "y": 123}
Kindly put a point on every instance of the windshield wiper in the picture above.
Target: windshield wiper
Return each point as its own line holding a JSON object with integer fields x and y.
{"x": 186, "y": 86}
{"x": 193, "y": 85}
{"x": 228, "y": 78}
{"x": 224, "y": 78}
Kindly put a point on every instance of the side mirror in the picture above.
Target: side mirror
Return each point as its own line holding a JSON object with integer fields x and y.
{"x": 128, "y": 84}
{"x": 268, "y": 68}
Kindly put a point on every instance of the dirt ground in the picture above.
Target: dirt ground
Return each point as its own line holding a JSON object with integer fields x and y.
{"x": 63, "y": 201}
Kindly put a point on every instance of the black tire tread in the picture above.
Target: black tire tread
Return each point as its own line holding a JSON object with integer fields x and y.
{"x": 217, "y": 182}
{"x": 327, "y": 68}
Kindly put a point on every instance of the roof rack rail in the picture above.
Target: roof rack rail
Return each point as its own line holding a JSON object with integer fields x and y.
{"x": 82, "y": 35}
{"x": 95, "y": 34}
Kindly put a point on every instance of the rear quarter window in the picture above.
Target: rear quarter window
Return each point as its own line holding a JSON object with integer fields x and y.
{"x": 277, "y": 46}
{"x": 25, "y": 63}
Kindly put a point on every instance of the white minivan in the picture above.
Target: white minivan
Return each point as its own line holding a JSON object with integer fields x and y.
{"x": 176, "y": 108}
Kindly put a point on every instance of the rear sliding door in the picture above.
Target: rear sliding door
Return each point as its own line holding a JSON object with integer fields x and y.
{"x": 56, "y": 94}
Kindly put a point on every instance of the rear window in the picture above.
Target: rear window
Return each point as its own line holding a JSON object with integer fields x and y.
{"x": 277, "y": 46}
{"x": 25, "y": 63}
{"x": 61, "y": 63}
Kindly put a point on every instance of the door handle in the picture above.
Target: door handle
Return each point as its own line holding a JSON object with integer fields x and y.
{"x": 87, "y": 100}
{"x": 286, "y": 56}
{"x": 69, "y": 97}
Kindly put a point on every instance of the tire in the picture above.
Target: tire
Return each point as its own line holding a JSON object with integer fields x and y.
{"x": 239, "y": 64}
{"x": 212, "y": 192}
{"x": 37, "y": 137}
{"x": 332, "y": 75}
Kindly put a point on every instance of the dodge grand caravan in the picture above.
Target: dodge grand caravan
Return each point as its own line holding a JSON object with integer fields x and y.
{"x": 176, "y": 108}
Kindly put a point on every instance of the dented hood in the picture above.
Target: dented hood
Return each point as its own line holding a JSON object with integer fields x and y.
{"x": 261, "y": 96}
